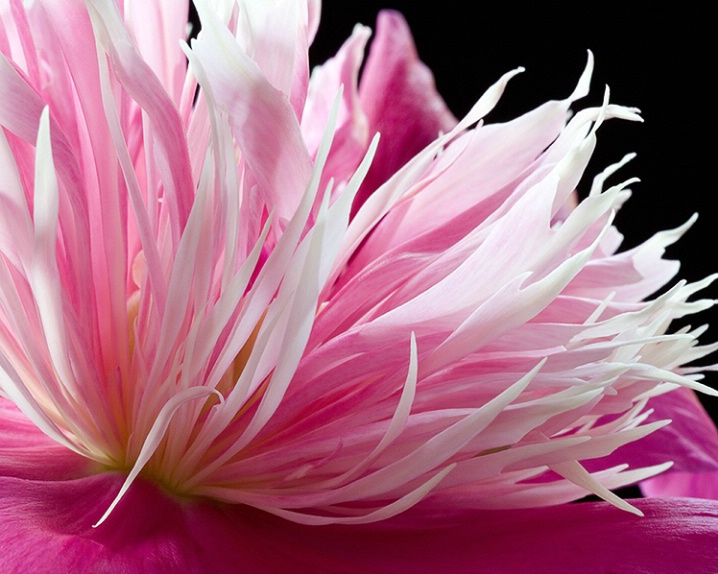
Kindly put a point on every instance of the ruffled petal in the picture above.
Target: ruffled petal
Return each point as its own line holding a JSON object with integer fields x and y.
{"x": 47, "y": 528}
{"x": 400, "y": 101}
{"x": 690, "y": 441}
{"x": 351, "y": 136}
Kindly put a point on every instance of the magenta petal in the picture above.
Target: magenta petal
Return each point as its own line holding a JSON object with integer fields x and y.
{"x": 400, "y": 100}
{"x": 675, "y": 535}
{"x": 694, "y": 484}
{"x": 47, "y": 529}
{"x": 690, "y": 441}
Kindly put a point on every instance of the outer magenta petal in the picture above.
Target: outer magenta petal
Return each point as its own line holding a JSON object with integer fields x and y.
{"x": 694, "y": 484}
{"x": 400, "y": 100}
{"x": 46, "y": 528}
{"x": 690, "y": 441}
{"x": 675, "y": 535}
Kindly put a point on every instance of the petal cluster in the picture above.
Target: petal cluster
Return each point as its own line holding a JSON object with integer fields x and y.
{"x": 325, "y": 298}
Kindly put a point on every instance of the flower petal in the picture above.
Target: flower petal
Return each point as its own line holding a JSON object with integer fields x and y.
{"x": 276, "y": 34}
{"x": 263, "y": 122}
{"x": 692, "y": 484}
{"x": 46, "y": 528}
{"x": 400, "y": 101}
{"x": 157, "y": 27}
{"x": 690, "y": 441}
{"x": 351, "y": 137}
{"x": 27, "y": 453}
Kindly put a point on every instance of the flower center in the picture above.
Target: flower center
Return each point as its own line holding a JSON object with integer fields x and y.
{"x": 168, "y": 465}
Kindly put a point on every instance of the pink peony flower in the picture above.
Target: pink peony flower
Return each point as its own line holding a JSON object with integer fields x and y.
{"x": 242, "y": 332}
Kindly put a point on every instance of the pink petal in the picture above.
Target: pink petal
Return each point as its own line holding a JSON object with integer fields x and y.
{"x": 351, "y": 136}
{"x": 27, "y": 453}
{"x": 690, "y": 441}
{"x": 692, "y": 484}
{"x": 47, "y": 528}
{"x": 138, "y": 78}
{"x": 278, "y": 38}
{"x": 157, "y": 28}
{"x": 400, "y": 100}
{"x": 262, "y": 120}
